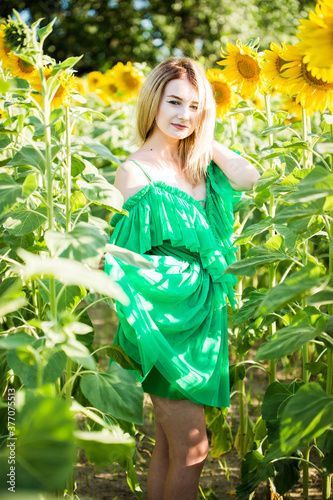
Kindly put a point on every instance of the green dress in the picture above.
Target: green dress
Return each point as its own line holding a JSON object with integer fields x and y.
{"x": 175, "y": 327}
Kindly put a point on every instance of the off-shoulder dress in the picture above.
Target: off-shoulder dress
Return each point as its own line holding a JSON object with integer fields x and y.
{"x": 175, "y": 326}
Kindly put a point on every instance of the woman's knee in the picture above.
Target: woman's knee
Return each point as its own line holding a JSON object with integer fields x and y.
{"x": 190, "y": 453}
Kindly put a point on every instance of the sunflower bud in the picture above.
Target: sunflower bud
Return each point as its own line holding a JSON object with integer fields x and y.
{"x": 17, "y": 35}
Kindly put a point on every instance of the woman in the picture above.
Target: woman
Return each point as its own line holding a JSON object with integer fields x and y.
{"x": 178, "y": 188}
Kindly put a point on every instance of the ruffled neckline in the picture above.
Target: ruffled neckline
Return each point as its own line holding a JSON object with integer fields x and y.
{"x": 174, "y": 190}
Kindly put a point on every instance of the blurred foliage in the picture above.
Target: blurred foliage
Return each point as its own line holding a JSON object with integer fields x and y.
{"x": 108, "y": 31}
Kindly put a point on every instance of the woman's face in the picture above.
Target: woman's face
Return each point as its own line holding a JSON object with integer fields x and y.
{"x": 177, "y": 114}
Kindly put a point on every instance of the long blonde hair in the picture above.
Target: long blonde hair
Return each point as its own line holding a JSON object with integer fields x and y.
{"x": 194, "y": 151}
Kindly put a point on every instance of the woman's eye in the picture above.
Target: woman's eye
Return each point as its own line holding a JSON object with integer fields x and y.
{"x": 194, "y": 107}
{"x": 173, "y": 102}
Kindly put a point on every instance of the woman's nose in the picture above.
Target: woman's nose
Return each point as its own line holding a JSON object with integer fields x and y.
{"x": 184, "y": 113}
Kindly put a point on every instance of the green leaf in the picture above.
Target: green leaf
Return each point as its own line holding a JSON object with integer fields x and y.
{"x": 69, "y": 62}
{"x": 42, "y": 33}
{"x": 249, "y": 306}
{"x": 25, "y": 221}
{"x": 102, "y": 193}
{"x": 325, "y": 443}
{"x": 4, "y": 142}
{"x": 117, "y": 353}
{"x": 28, "y": 373}
{"x": 253, "y": 230}
{"x": 29, "y": 185}
{"x": 291, "y": 289}
{"x": 253, "y": 473}
{"x": 79, "y": 353}
{"x": 105, "y": 447}
{"x": 10, "y": 192}
{"x": 306, "y": 416}
{"x": 127, "y": 257}
{"x": 45, "y": 446}
{"x": 70, "y": 295}
{"x": 271, "y": 251}
{"x": 268, "y": 178}
{"x": 28, "y": 156}
{"x": 316, "y": 368}
{"x": 77, "y": 166}
{"x": 316, "y": 185}
{"x": 11, "y": 296}
{"x": 91, "y": 144}
{"x": 70, "y": 272}
{"x": 321, "y": 298}
{"x": 115, "y": 391}
{"x": 285, "y": 214}
{"x": 287, "y": 473}
{"x": 275, "y": 398}
{"x": 12, "y": 302}
{"x": 236, "y": 372}
{"x": 16, "y": 340}
{"x": 221, "y": 440}
{"x": 84, "y": 243}
{"x": 273, "y": 129}
{"x": 291, "y": 338}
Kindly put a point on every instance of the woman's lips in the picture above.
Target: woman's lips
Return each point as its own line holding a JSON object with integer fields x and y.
{"x": 179, "y": 127}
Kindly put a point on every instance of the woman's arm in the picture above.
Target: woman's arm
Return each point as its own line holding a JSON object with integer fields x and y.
{"x": 240, "y": 172}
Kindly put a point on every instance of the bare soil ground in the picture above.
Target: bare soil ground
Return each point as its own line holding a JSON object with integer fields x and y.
{"x": 219, "y": 477}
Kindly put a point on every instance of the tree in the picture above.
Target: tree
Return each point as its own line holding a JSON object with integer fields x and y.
{"x": 108, "y": 31}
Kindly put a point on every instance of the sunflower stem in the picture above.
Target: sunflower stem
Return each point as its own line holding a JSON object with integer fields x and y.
{"x": 243, "y": 414}
{"x": 304, "y": 136}
{"x": 272, "y": 267}
{"x": 68, "y": 170}
{"x": 329, "y": 381}
{"x": 47, "y": 177}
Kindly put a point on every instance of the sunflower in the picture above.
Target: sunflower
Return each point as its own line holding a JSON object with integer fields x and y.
{"x": 313, "y": 93}
{"x": 4, "y": 48}
{"x": 109, "y": 92}
{"x": 95, "y": 80}
{"x": 79, "y": 85}
{"x": 127, "y": 78}
{"x": 258, "y": 101}
{"x": 243, "y": 68}
{"x": 21, "y": 68}
{"x": 225, "y": 97}
{"x": 294, "y": 108}
{"x": 63, "y": 94}
{"x": 273, "y": 67}
{"x": 35, "y": 83}
{"x": 316, "y": 35}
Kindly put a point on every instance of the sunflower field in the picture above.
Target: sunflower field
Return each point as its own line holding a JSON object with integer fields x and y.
{"x": 62, "y": 139}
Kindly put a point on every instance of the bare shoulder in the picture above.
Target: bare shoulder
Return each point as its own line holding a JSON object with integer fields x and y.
{"x": 130, "y": 178}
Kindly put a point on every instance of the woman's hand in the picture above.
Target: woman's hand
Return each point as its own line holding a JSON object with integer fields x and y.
{"x": 241, "y": 174}
{"x": 101, "y": 264}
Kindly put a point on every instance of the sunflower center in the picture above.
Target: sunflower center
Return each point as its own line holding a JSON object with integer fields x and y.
{"x": 25, "y": 66}
{"x": 248, "y": 67}
{"x": 222, "y": 92}
{"x": 315, "y": 82}
{"x": 111, "y": 88}
{"x": 16, "y": 35}
{"x": 130, "y": 80}
{"x": 279, "y": 63}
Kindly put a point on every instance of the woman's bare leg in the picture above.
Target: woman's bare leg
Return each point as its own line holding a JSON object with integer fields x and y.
{"x": 159, "y": 465}
{"x": 184, "y": 426}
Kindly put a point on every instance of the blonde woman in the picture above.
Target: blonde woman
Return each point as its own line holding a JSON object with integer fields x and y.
{"x": 179, "y": 188}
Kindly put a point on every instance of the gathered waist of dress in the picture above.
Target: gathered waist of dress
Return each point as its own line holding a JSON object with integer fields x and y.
{"x": 180, "y": 252}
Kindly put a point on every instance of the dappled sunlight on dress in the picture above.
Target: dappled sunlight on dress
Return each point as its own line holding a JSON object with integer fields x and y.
{"x": 175, "y": 327}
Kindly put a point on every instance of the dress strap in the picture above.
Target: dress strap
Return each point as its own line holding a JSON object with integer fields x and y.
{"x": 143, "y": 170}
